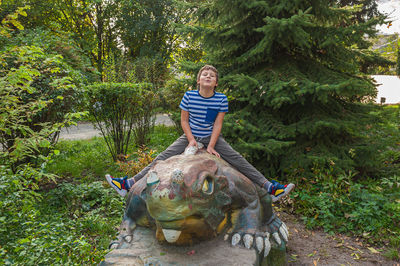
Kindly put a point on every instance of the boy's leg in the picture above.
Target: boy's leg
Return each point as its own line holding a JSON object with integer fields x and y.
{"x": 242, "y": 165}
{"x": 239, "y": 162}
{"x": 122, "y": 185}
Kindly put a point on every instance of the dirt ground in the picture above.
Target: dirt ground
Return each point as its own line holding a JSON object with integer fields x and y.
{"x": 315, "y": 247}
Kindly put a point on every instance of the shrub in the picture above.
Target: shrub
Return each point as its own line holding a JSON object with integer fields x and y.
{"x": 368, "y": 209}
{"x": 132, "y": 167}
{"x": 25, "y": 130}
{"x": 121, "y": 110}
{"x": 69, "y": 225}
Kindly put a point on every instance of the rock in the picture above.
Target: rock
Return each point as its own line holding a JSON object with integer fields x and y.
{"x": 146, "y": 250}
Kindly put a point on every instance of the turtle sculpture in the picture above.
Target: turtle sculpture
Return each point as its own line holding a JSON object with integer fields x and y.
{"x": 196, "y": 196}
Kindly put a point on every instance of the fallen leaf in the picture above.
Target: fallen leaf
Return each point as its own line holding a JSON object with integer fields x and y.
{"x": 374, "y": 251}
{"x": 315, "y": 262}
{"x": 312, "y": 254}
{"x": 350, "y": 247}
{"x": 162, "y": 253}
{"x": 356, "y": 256}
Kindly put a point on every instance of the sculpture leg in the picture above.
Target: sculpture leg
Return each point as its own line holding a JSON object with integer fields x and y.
{"x": 278, "y": 234}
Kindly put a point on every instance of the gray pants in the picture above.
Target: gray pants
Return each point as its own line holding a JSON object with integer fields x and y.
{"x": 222, "y": 147}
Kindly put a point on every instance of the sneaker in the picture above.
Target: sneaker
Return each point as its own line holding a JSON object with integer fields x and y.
{"x": 119, "y": 184}
{"x": 278, "y": 191}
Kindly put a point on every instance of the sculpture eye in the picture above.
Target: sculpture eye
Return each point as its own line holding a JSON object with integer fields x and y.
{"x": 208, "y": 185}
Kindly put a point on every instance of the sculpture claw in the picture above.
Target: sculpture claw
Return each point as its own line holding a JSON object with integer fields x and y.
{"x": 248, "y": 241}
{"x": 267, "y": 245}
{"x": 128, "y": 238}
{"x": 285, "y": 228}
{"x": 235, "y": 239}
{"x": 226, "y": 237}
{"x": 259, "y": 244}
{"x": 277, "y": 239}
{"x": 283, "y": 233}
{"x": 113, "y": 245}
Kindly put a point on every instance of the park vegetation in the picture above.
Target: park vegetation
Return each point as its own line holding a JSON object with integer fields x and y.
{"x": 297, "y": 75}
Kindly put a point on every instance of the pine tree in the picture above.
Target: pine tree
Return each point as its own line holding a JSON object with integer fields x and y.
{"x": 398, "y": 62}
{"x": 291, "y": 70}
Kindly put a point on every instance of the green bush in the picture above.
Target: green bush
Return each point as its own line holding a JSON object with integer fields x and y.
{"x": 369, "y": 209}
{"x": 120, "y": 111}
{"x": 69, "y": 225}
{"x": 35, "y": 99}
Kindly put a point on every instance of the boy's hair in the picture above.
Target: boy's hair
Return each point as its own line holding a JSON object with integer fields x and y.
{"x": 207, "y": 67}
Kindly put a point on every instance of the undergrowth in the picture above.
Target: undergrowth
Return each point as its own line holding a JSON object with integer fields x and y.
{"x": 72, "y": 221}
{"x": 367, "y": 208}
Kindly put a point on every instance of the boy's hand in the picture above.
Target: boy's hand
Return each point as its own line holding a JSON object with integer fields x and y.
{"x": 192, "y": 143}
{"x": 211, "y": 150}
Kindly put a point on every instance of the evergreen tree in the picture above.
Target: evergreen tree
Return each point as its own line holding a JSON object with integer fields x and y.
{"x": 398, "y": 62}
{"x": 291, "y": 70}
{"x": 368, "y": 10}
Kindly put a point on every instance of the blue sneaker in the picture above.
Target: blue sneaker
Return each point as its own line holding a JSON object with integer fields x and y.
{"x": 277, "y": 191}
{"x": 119, "y": 184}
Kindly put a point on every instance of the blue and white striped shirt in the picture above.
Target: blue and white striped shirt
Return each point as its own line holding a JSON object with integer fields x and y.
{"x": 203, "y": 111}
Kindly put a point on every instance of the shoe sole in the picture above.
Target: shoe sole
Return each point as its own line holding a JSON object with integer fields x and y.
{"x": 288, "y": 189}
{"x": 121, "y": 192}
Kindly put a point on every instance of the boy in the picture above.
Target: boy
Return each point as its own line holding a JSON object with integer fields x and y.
{"x": 202, "y": 115}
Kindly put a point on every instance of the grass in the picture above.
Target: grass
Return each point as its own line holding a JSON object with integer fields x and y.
{"x": 90, "y": 160}
{"x": 81, "y": 213}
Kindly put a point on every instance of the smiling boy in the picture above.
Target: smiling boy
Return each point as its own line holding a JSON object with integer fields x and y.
{"x": 202, "y": 116}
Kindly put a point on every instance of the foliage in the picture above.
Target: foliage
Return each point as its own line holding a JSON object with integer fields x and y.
{"x": 382, "y": 137}
{"x": 132, "y": 167}
{"x": 121, "y": 110}
{"x": 292, "y": 72}
{"x": 63, "y": 226}
{"x": 143, "y": 69}
{"x": 172, "y": 95}
{"x": 146, "y": 28}
{"x": 90, "y": 160}
{"x": 69, "y": 223}
{"x": 398, "y": 61}
{"x": 33, "y": 108}
{"x": 385, "y": 46}
{"x": 368, "y": 9}
{"x": 368, "y": 209}
{"x": 125, "y": 29}
{"x": 88, "y": 22}
{"x": 26, "y": 235}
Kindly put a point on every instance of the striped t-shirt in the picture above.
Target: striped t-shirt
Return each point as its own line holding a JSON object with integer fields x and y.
{"x": 203, "y": 111}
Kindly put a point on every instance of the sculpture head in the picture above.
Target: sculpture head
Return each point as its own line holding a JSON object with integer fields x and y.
{"x": 186, "y": 196}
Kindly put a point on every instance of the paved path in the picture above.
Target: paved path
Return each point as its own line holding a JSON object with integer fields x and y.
{"x": 85, "y": 130}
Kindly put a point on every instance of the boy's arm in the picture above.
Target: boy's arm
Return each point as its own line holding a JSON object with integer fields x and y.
{"x": 215, "y": 134}
{"x": 186, "y": 128}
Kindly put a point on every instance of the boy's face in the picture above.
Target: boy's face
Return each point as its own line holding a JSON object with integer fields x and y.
{"x": 207, "y": 79}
